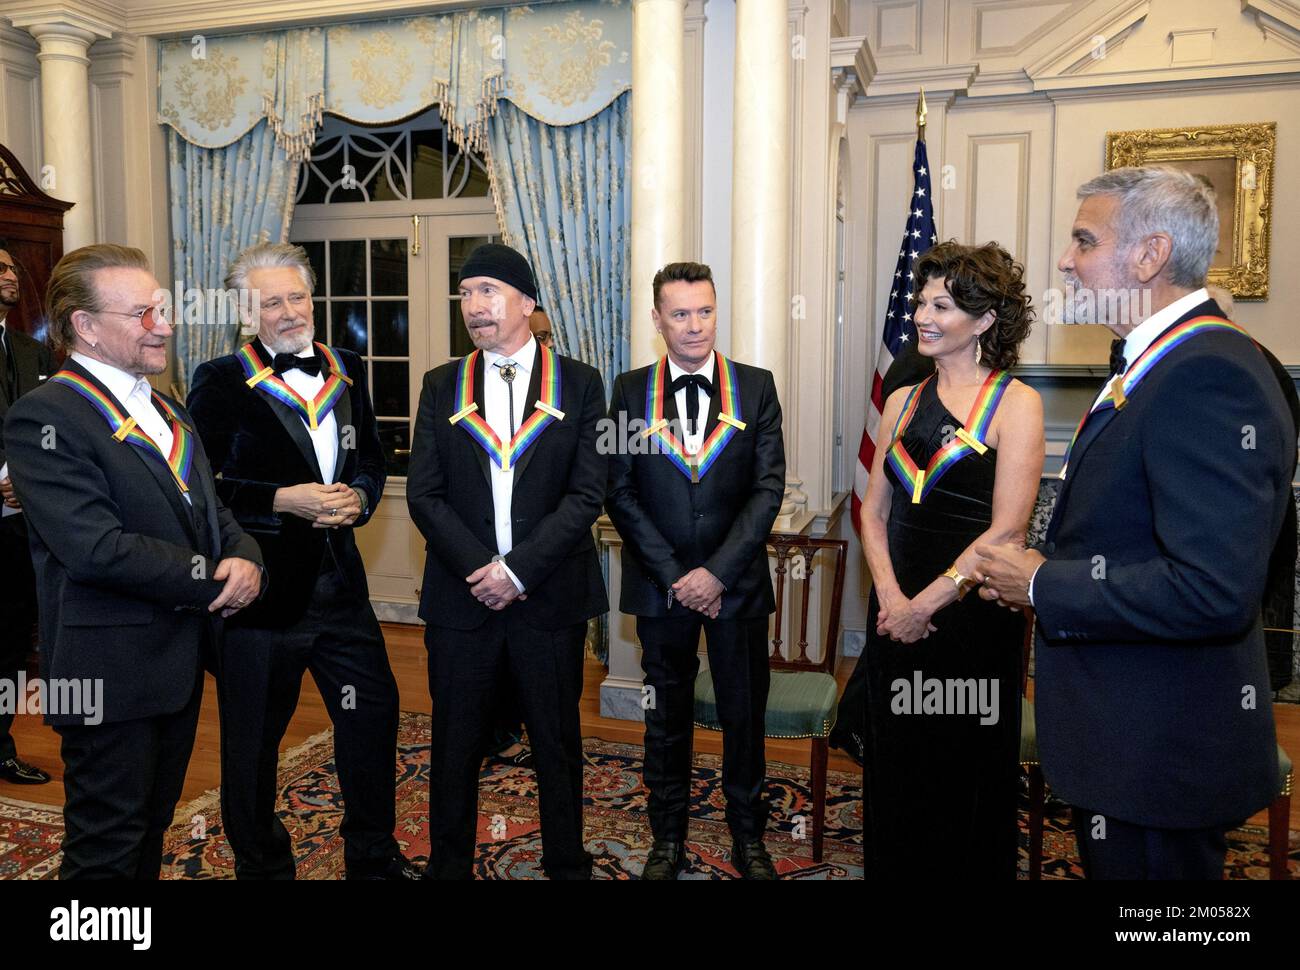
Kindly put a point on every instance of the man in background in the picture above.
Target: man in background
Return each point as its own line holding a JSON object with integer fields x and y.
{"x": 24, "y": 363}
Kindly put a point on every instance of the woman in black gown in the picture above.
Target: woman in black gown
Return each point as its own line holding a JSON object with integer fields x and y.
{"x": 959, "y": 465}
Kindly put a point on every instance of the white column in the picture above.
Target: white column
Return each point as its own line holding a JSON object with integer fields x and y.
{"x": 66, "y": 124}
{"x": 760, "y": 193}
{"x": 658, "y": 158}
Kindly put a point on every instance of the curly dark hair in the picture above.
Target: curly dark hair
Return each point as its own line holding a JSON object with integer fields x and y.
{"x": 983, "y": 278}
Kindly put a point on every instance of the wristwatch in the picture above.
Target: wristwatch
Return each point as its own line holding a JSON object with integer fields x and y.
{"x": 964, "y": 585}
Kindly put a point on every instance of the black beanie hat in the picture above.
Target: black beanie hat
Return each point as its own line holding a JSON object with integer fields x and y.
{"x": 500, "y": 263}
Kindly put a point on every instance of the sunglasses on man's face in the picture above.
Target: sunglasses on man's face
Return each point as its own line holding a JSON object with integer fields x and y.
{"x": 6, "y": 268}
{"x": 148, "y": 316}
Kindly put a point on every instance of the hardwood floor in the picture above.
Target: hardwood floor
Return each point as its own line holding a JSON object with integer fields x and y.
{"x": 40, "y": 745}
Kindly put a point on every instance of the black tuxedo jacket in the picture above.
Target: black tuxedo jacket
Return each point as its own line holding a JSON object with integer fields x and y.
{"x": 1152, "y": 691}
{"x": 258, "y": 445}
{"x": 123, "y": 563}
{"x": 33, "y": 364}
{"x": 669, "y": 525}
{"x": 558, "y": 487}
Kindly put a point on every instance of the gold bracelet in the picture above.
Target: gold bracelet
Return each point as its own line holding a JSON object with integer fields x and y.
{"x": 964, "y": 584}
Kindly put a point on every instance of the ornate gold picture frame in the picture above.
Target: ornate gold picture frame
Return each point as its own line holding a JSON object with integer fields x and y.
{"x": 1238, "y": 161}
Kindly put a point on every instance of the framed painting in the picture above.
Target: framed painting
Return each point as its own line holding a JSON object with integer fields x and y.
{"x": 1237, "y": 162}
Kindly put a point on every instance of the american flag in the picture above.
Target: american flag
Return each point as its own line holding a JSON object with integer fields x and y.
{"x": 898, "y": 328}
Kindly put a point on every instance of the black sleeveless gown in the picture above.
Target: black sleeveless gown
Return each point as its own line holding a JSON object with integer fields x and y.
{"x": 942, "y": 787}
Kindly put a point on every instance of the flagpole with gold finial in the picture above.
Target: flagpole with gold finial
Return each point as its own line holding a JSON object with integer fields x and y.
{"x": 920, "y": 116}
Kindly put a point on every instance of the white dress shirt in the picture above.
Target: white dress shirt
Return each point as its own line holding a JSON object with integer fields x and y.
{"x": 1135, "y": 344}
{"x": 693, "y": 442}
{"x": 136, "y": 397}
{"x": 496, "y": 402}
{"x": 325, "y": 439}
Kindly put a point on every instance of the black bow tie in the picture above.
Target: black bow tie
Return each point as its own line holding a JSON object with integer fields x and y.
{"x": 284, "y": 362}
{"x": 1117, "y": 361}
{"x": 694, "y": 382}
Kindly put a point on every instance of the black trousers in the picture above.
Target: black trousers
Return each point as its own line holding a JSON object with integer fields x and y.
{"x": 1120, "y": 850}
{"x": 738, "y": 660}
{"x": 121, "y": 783}
{"x": 17, "y": 613}
{"x": 544, "y": 667}
{"x": 260, "y": 675}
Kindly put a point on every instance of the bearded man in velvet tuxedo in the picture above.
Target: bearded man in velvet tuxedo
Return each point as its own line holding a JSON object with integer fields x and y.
{"x": 291, "y": 432}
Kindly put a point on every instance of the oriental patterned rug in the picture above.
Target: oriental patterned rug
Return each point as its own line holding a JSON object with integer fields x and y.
{"x": 617, "y": 828}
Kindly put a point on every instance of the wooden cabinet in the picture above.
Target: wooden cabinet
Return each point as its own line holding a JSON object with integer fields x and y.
{"x": 31, "y": 223}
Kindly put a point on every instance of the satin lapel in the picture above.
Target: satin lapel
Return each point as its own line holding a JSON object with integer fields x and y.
{"x": 715, "y": 403}
{"x": 530, "y": 405}
{"x": 204, "y": 497}
{"x": 1096, "y": 424}
{"x": 481, "y": 456}
{"x": 290, "y": 418}
{"x": 343, "y": 419}
{"x": 671, "y": 415}
{"x": 160, "y": 472}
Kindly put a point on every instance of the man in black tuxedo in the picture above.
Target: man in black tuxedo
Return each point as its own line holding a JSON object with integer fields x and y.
{"x": 290, "y": 429}
{"x": 694, "y": 512}
{"x": 505, "y": 483}
{"x": 24, "y": 364}
{"x": 136, "y": 560}
{"x": 1152, "y": 691}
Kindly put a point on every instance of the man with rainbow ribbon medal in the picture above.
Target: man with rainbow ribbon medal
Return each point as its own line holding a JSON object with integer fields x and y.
{"x": 505, "y": 484}
{"x": 137, "y": 560}
{"x": 291, "y": 430}
{"x": 1152, "y": 697}
{"x": 693, "y": 495}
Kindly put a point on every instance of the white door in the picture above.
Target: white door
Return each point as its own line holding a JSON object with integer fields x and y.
{"x": 386, "y": 288}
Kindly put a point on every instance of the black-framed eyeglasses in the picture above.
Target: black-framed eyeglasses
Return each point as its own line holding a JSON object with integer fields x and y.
{"x": 6, "y": 267}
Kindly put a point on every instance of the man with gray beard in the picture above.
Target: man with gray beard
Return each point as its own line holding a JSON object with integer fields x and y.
{"x": 1151, "y": 690}
{"x": 291, "y": 431}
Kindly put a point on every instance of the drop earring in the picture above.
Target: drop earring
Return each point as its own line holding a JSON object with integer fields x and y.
{"x": 979, "y": 356}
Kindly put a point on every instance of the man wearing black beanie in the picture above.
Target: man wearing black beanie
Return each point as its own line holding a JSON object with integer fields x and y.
{"x": 505, "y": 482}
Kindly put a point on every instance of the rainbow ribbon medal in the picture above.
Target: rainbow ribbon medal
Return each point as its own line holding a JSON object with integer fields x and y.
{"x": 1122, "y": 385}
{"x": 694, "y": 466}
{"x": 470, "y": 417}
{"x": 259, "y": 376}
{"x": 968, "y": 439}
{"x": 124, "y": 427}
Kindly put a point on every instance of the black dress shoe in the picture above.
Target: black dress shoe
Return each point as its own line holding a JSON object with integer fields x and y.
{"x": 21, "y": 773}
{"x": 852, "y": 744}
{"x": 399, "y": 867}
{"x": 751, "y": 859}
{"x": 666, "y": 859}
{"x": 521, "y": 759}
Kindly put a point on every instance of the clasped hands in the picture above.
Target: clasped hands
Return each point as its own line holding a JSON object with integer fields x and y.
{"x": 243, "y": 583}
{"x": 1004, "y": 571}
{"x": 701, "y": 591}
{"x": 325, "y": 506}
{"x": 492, "y": 586}
{"x": 8, "y": 495}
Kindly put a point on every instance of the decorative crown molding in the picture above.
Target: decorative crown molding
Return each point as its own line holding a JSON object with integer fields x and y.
{"x": 1112, "y": 26}
{"x": 94, "y": 17}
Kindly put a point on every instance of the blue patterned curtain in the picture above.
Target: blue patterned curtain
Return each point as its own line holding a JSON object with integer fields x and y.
{"x": 563, "y": 200}
{"x": 214, "y": 215}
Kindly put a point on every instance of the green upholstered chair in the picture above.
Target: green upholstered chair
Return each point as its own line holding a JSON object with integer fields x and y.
{"x": 1279, "y": 810}
{"x": 801, "y": 702}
